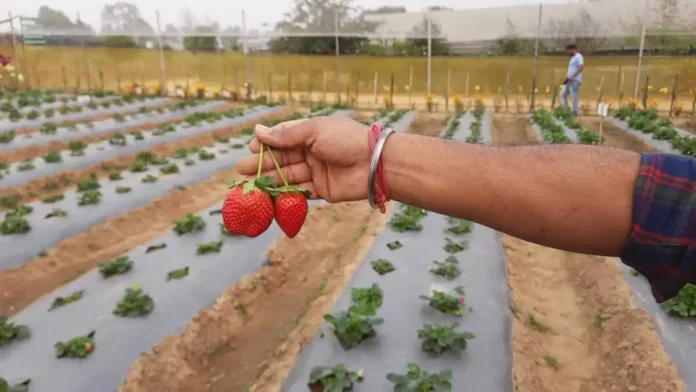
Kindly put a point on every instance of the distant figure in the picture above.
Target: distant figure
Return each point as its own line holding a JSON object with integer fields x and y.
{"x": 574, "y": 77}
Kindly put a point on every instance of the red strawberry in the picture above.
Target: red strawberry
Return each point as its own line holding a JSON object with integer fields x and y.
{"x": 247, "y": 210}
{"x": 291, "y": 211}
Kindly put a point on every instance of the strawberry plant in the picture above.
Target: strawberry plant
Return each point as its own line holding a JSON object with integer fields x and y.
{"x": 19, "y": 211}
{"x": 149, "y": 179}
{"x": 366, "y": 300}
{"x": 16, "y": 225}
{"x": 77, "y": 347}
{"x": 333, "y": 379}
{"x": 351, "y": 329}
{"x": 117, "y": 266}
{"x": 33, "y": 115}
{"x": 115, "y": 176}
{"x": 178, "y": 273}
{"x": 106, "y": 105}
{"x": 62, "y": 301}
{"x": 237, "y": 146}
{"x": 48, "y": 113}
{"x": 223, "y": 231}
{"x": 123, "y": 189}
{"x": 684, "y": 304}
{"x": 77, "y": 148}
{"x": 91, "y": 197}
{"x": 418, "y": 380}
{"x": 53, "y": 157}
{"x": 134, "y": 304}
{"x": 382, "y": 266}
{"x": 88, "y": 183}
{"x": 118, "y": 117}
{"x": 18, "y": 387}
{"x": 48, "y": 128}
{"x": 6, "y": 137}
{"x": 26, "y": 165}
{"x": 189, "y": 224}
{"x": 455, "y": 247}
{"x": 137, "y": 135}
{"x": 449, "y": 269}
{"x": 445, "y": 303}
{"x": 170, "y": 169}
{"x": 138, "y": 166}
{"x": 54, "y": 198}
{"x": 408, "y": 220}
{"x": 180, "y": 153}
{"x": 221, "y": 139}
{"x": 10, "y": 331}
{"x": 189, "y": 162}
{"x": 204, "y": 155}
{"x": 209, "y": 247}
{"x": 155, "y": 247}
{"x": 394, "y": 245}
{"x": 118, "y": 140}
{"x": 438, "y": 339}
{"x": 459, "y": 226}
{"x": 15, "y": 115}
{"x": 163, "y": 129}
{"x": 56, "y": 213}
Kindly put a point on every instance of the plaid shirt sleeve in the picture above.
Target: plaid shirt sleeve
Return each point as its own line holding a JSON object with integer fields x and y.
{"x": 662, "y": 243}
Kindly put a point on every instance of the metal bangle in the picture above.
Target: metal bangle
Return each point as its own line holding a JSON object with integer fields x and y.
{"x": 374, "y": 162}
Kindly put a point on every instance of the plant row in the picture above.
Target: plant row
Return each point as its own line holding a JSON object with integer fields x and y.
{"x": 550, "y": 130}
{"x": 647, "y": 121}
{"x": 23, "y": 99}
{"x": 566, "y": 115}
{"x": 475, "y": 127}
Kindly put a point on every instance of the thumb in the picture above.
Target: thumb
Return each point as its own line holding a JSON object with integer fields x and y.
{"x": 289, "y": 134}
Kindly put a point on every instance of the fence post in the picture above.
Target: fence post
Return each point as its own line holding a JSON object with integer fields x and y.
{"x": 101, "y": 79}
{"x": 77, "y": 76}
{"x": 532, "y": 104}
{"x": 391, "y": 91}
{"x": 466, "y": 91}
{"x": 236, "y": 82}
{"x": 449, "y": 82}
{"x": 338, "y": 59}
{"x": 163, "y": 68}
{"x": 270, "y": 87}
{"x": 674, "y": 95}
{"x": 410, "y": 86}
{"x": 375, "y": 87}
{"x": 65, "y": 77}
{"x": 601, "y": 91}
{"x": 118, "y": 79}
{"x": 507, "y": 89}
{"x": 290, "y": 100}
{"x": 357, "y": 91}
{"x": 311, "y": 88}
{"x": 640, "y": 61}
{"x": 323, "y": 86}
{"x": 645, "y": 93}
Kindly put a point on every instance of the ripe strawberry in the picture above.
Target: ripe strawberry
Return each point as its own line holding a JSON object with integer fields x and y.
{"x": 291, "y": 211}
{"x": 247, "y": 210}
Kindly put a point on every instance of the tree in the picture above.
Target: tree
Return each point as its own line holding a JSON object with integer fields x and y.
{"x": 417, "y": 44}
{"x": 52, "y": 19}
{"x": 385, "y": 10}
{"x": 581, "y": 30}
{"x": 122, "y": 18}
{"x": 511, "y": 44}
{"x": 230, "y": 38}
{"x": 202, "y": 43}
{"x": 319, "y": 16}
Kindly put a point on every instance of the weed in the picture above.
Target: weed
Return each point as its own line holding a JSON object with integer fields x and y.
{"x": 417, "y": 380}
{"x": 382, "y": 266}
{"x": 536, "y": 324}
{"x": 438, "y": 339}
{"x": 551, "y": 361}
{"x": 449, "y": 269}
{"x": 22, "y": 386}
{"x": 600, "y": 318}
{"x": 117, "y": 266}
{"x": 77, "y": 347}
{"x": 135, "y": 303}
{"x": 177, "y": 274}
{"x": 209, "y": 247}
{"x": 62, "y": 301}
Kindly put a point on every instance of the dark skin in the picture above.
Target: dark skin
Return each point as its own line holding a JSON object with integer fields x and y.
{"x": 570, "y": 197}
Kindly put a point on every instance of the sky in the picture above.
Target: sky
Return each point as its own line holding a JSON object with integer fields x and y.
{"x": 258, "y": 12}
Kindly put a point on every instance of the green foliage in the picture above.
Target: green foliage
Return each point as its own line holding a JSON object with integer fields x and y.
{"x": 138, "y": 166}
{"x": 332, "y": 378}
{"x": 445, "y": 303}
{"x": 204, "y": 155}
{"x": 352, "y": 329}
{"x": 14, "y": 115}
{"x": 118, "y": 117}
{"x": 19, "y": 387}
{"x": 117, "y": 266}
{"x": 366, "y": 301}
{"x": 203, "y": 43}
{"x": 62, "y": 301}
{"x": 149, "y": 179}
{"x": 77, "y": 347}
{"x": 455, "y": 247}
{"x": 438, "y": 339}
{"x": 170, "y": 169}
{"x": 137, "y": 135}
{"x": 7, "y": 137}
{"x": 135, "y": 303}
{"x": 118, "y": 140}
{"x": 48, "y": 128}
{"x": 449, "y": 269}
{"x": 26, "y": 165}
{"x": 57, "y": 213}
{"x": 115, "y": 176}
{"x": 408, "y": 219}
{"x": 189, "y": 224}
{"x": 77, "y": 148}
{"x": 417, "y": 380}
{"x": 459, "y": 226}
{"x": 123, "y": 189}
{"x": 19, "y": 211}
{"x": 394, "y": 245}
{"x": 382, "y": 266}
{"x": 209, "y": 247}
{"x": 10, "y": 332}
{"x": 88, "y": 183}
{"x": 17, "y": 225}
{"x": 53, "y": 157}
{"x": 550, "y": 130}
{"x": 684, "y": 304}
{"x": 163, "y": 129}
{"x": 180, "y": 153}
{"x": 178, "y": 274}
{"x": 54, "y": 198}
{"x": 10, "y": 201}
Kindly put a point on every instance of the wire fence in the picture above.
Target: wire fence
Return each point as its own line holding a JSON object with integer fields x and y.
{"x": 515, "y": 54}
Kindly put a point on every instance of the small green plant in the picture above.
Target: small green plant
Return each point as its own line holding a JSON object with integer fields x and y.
{"x": 88, "y": 184}
{"x": 180, "y": 153}
{"x": 77, "y": 148}
{"x": 33, "y": 115}
{"x": 634, "y": 272}
{"x": 14, "y": 115}
{"x": 449, "y": 269}
{"x": 138, "y": 166}
{"x": 57, "y": 213}
{"x": 455, "y": 247}
{"x": 684, "y": 304}
{"x": 445, "y": 303}
{"x": 118, "y": 117}
{"x": 137, "y": 135}
{"x": 551, "y": 361}
{"x": 459, "y": 226}
{"x": 170, "y": 169}
{"x": 135, "y": 303}
{"x": 90, "y": 197}
{"x": 54, "y": 198}
{"x": 10, "y": 332}
{"x": 117, "y": 266}
{"x": 189, "y": 224}
{"x": 163, "y": 128}
{"x": 19, "y": 211}
{"x": 155, "y": 247}
{"x": 177, "y": 274}
{"x": 115, "y": 176}
{"x": 418, "y": 380}
{"x": 123, "y": 189}
{"x": 536, "y": 324}
{"x": 204, "y": 155}
{"x": 209, "y": 247}
{"x": 366, "y": 301}
{"x": 22, "y": 386}
{"x": 62, "y": 301}
{"x": 352, "y": 329}
{"x": 18, "y": 225}
{"x": 333, "y": 379}
{"x": 237, "y": 146}
{"x": 48, "y": 113}
{"x": 382, "y": 266}
{"x": 438, "y": 339}
{"x": 6, "y": 137}
{"x": 408, "y": 219}
{"x": 48, "y": 128}
{"x": 149, "y": 179}
{"x": 77, "y": 347}
{"x": 26, "y": 165}
{"x": 394, "y": 245}
{"x": 10, "y": 201}
{"x": 53, "y": 157}
{"x": 118, "y": 140}
{"x": 189, "y": 162}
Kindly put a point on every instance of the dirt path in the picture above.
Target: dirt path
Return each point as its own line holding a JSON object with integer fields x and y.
{"x": 616, "y": 137}
{"x": 576, "y": 328}
{"x": 50, "y": 185}
{"x": 687, "y": 123}
{"x": 510, "y": 129}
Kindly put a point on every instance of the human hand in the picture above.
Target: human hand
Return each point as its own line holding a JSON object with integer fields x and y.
{"x": 328, "y": 156}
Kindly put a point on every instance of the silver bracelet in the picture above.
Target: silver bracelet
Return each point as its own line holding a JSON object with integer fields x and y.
{"x": 374, "y": 162}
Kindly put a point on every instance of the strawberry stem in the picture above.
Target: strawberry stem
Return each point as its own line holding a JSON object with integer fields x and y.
{"x": 258, "y": 171}
{"x": 277, "y": 166}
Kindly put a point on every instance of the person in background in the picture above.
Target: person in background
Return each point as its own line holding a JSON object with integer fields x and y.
{"x": 574, "y": 77}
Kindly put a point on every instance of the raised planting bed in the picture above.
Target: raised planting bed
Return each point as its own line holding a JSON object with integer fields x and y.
{"x": 548, "y": 130}
{"x": 65, "y": 134}
{"x": 52, "y": 107}
{"x": 654, "y": 131}
{"x": 566, "y": 120}
{"x": 93, "y": 205}
{"x": 409, "y": 327}
{"x": 7, "y": 124}
{"x": 128, "y": 144}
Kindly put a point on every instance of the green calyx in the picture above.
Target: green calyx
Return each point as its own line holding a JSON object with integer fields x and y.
{"x": 265, "y": 184}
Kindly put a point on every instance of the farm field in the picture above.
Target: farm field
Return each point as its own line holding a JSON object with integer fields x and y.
{"x": 117, "y": 274}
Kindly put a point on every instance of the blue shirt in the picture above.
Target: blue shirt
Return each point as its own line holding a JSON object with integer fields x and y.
{"x": 575, "y": 63}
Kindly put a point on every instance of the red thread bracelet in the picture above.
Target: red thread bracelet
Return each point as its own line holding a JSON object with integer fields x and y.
{"x": 381, "y": 185}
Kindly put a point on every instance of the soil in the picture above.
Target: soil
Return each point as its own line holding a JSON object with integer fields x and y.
{"x": 512, "y": 130}
{"x": 429, "y": 124}
{"x": 576, "y": 327}
{"x": 40, "y": 188}
{"x": 687, "y": 123}
{"x": 616, "y": 137}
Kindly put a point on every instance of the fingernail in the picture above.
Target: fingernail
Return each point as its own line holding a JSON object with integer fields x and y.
{"x": 262, "y": 128}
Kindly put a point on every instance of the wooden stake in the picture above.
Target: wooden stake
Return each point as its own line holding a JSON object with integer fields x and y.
{"x": 323, "y": 83}
{"x": 507, "y": 89}
{"x": 375, "y": 87}
{"x": 467, "y": 85}
{"x": 449, "y": 82}
{"x": 65, "y": 78}
{"x": 674, "y": 95}
{"x": 410, "y": 86}
{"x": 391, "y": 92}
